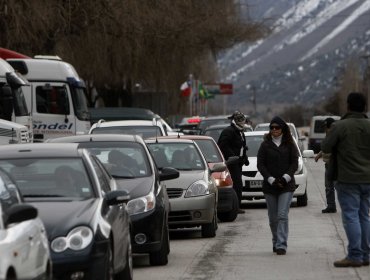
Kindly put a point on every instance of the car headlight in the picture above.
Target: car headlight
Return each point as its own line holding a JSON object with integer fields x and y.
{"x": 77, "y": 239}
{"x": 141, "y": 204}
{"x": 196, "y": 189}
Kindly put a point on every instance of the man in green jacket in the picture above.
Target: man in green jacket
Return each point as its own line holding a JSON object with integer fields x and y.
{"x": 348, "y": 140}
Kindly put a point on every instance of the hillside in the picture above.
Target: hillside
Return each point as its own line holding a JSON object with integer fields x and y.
{"x": 299, "y": 63}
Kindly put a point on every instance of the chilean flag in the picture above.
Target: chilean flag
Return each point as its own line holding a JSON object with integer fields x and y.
{"x": 185, "y": 89}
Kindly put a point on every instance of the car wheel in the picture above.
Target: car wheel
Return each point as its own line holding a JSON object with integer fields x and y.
{"x": 302, "y": 200}
{"x": 233, "y": 213}
{"x": 127, "y": 272}
{"x": 161, "y": 257}
{"x": 209, "y": 230}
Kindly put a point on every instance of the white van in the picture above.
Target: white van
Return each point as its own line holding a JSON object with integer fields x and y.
{"x": 317, "y": 131}
{"x": 56, "y": 97}
{"x": 13, "y": 107}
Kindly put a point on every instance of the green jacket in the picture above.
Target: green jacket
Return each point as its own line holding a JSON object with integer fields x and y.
{"x": 349, "y": 141}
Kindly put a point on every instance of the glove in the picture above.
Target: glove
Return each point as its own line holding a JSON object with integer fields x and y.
{"x": 277, "y": 183}
{"x": 282, "y": 182}
{"x": 243, "y": 160}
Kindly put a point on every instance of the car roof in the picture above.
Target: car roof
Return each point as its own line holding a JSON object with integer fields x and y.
{"x": 218, "y": 117}
{"x": 255, "y": 133}
{"x": 217, "y": 126}
{"x": 166, "y": 139}
{"x": 97, "y": 138}
{"x": 268, "y": 124}
{"x": 126, "y": 123}
{"x": 121, "y": 113}
{"x": 189, "y": 136}
{"x": 40, "y": 150}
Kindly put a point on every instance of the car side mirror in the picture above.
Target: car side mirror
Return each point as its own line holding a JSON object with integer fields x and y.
{"x": 218, "y": 167}
{"x": 117, "y": 197}
{"x": 232, "y": 160}
{"x": 168, "y": 173}
{"x": 308, "y": 154}
{"x": 18, "y": 213}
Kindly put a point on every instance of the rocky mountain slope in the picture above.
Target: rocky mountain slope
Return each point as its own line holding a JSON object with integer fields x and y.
{"x": 299, "y": 63}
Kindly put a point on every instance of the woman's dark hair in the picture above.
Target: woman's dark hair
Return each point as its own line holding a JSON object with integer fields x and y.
{"x": 287, "y": 136}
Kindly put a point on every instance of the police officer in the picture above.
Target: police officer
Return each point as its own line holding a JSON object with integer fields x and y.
{"x": 232, "y": 143}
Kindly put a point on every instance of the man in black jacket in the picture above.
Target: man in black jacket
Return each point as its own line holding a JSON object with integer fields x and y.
{"x": 232, "y": 143}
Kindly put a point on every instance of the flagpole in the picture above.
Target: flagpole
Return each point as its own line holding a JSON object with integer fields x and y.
{"x": 191, "y": 95}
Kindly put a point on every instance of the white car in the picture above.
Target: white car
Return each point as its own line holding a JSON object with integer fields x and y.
{"x": 24, "y": 247}
{"x": 144, "y": 128}
{"x": 292, "y": 128}
{"x": 252, "y": 178}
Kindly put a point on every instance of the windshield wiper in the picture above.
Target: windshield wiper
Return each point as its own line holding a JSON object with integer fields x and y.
{"x": 123, "y": 177}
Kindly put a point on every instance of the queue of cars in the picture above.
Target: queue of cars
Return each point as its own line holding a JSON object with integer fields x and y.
{"x": 96, "y": 199}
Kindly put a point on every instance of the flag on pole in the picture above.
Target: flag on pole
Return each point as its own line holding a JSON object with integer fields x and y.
{"x": 185, "y": 89}
{"x": 203, "y": 92}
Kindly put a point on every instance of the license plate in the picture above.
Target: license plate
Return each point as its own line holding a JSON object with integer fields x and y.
{"x": 255, "y": 184}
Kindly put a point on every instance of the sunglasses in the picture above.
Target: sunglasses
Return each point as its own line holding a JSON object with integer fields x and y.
{"x": 275, "y": 127}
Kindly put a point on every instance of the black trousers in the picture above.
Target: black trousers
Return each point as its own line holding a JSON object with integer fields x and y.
{"x": 236, "y": 175}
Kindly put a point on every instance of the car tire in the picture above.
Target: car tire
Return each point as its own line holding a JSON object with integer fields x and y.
{"x": 233, "y": 213}
{"x": 209, "y": 230}
{"x": 127, "y": 272}
{"x": 302, "y": 199}
{"x": 161, "y": 257}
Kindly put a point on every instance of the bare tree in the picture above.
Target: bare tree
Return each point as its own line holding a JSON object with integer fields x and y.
{"x": 118, "y": 43}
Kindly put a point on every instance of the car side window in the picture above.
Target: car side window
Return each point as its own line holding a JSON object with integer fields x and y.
{"x": 101, "y": 174}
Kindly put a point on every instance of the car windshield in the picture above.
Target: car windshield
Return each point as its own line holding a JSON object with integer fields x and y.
{"x": 143, "y": 131}
{"x": 50, "y": 177}
{"x": 182, "y": 156}
{"x": 209, "y": 150}
{"x": 80, "y": 103}
{"x": 121, "y": 159}
{"x": 253, "y": 143}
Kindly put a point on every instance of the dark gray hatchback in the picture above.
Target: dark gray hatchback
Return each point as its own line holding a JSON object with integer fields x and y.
{"x": 128, "y": 160}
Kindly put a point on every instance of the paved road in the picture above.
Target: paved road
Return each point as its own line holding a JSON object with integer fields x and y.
{"x": 243, "y": 250}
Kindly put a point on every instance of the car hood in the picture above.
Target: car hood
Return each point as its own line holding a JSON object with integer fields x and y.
{"x": 252, "y": 164}
{"x": 185, "y": 179}
{"x": 59, "y": 217}
{"x": 136, "y": 187}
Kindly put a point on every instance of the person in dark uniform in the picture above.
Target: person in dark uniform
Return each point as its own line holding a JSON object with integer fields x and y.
{"x": 232, "y": 143}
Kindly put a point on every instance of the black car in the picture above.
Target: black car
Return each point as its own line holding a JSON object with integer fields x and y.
{"x": 128, "y": 160}
{"x": 84, "y": 214}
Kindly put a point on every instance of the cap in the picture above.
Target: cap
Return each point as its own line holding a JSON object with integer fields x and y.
{"x": 237, "y": 116}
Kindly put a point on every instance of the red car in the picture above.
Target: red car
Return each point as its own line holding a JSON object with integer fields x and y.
{"x": 227, "y": 206}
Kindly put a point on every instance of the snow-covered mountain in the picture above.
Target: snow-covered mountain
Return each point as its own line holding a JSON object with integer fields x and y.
{"x": 299, "y": 62}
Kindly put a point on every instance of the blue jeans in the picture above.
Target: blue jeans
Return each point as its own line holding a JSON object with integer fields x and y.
{"x": 278, "y": 209}
{"x": 354, "y": 200}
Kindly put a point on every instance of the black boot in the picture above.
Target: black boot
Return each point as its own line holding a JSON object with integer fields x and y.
{"x": 329, "y": 210}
